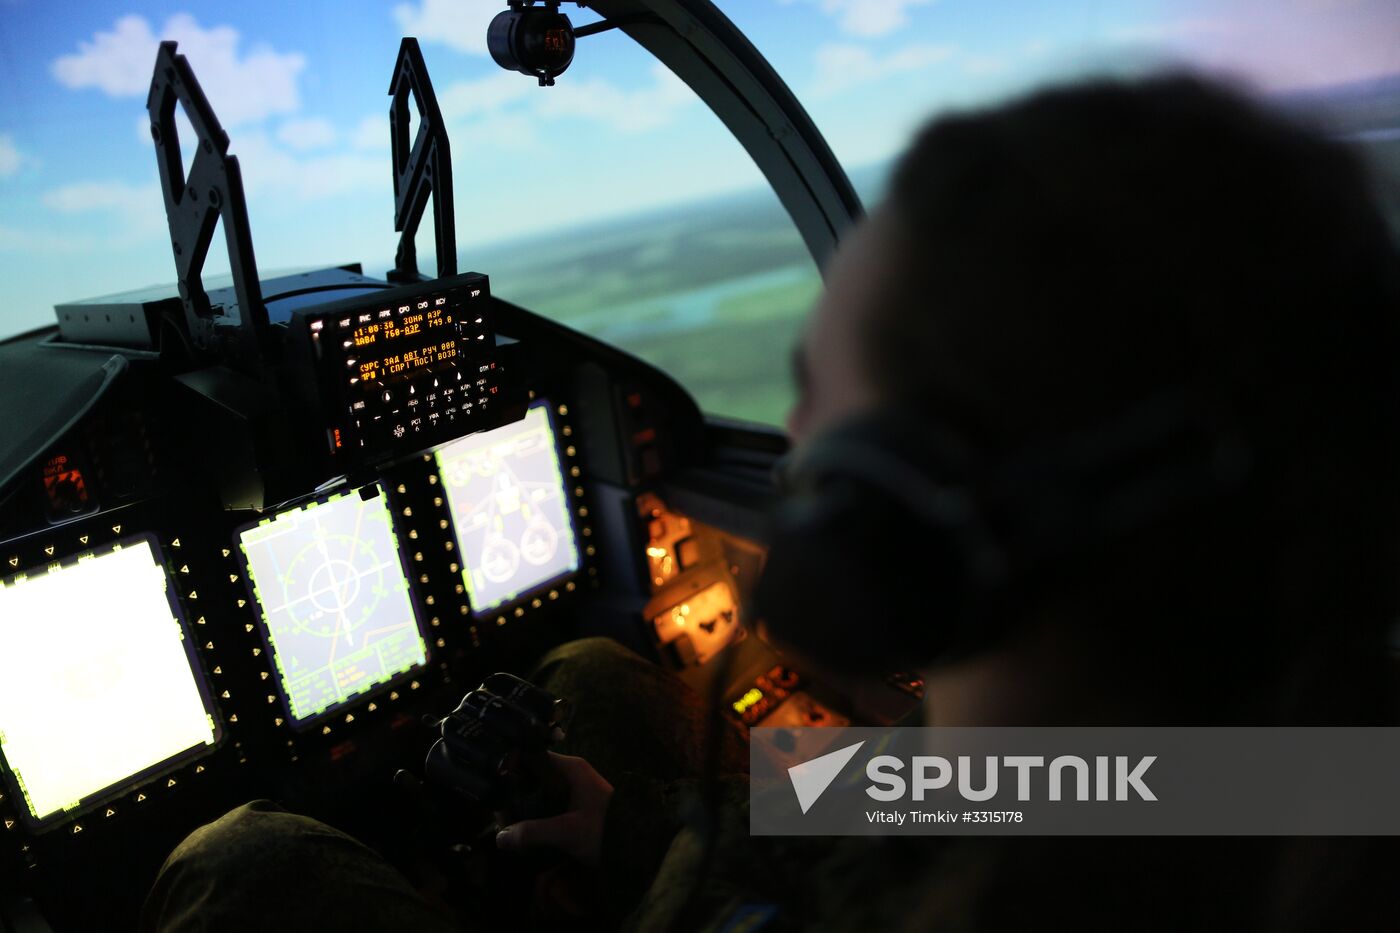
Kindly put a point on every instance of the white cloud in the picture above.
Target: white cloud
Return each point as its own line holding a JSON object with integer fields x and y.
{"x": 11, "y": 159}
{"x": 242, "y": 88}
{"x": 138, "y": 208}
{"x": 490, "y": 93}
{"x": 841, "y": 66}
{"x": 270, "y": 171}
{"x": 86, "y": 196}
{"x": 509, "y": 132}
{"x": 458, "y": 24}
{"x": 626, "y": 110}
{"x": 302, "y": 134}
{"x": 866, "y": 18}
{"x": 509, "y": 111}
{"x": 371, "y": 133}
{"x": 45, "y": 243}
{"x": 981, "y": 65}
{"x": 1037, "y": 47}
{"x": 1167, "y": 30}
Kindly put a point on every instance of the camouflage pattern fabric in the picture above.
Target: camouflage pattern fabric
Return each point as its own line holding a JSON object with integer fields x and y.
{"x": 264, "y": 869}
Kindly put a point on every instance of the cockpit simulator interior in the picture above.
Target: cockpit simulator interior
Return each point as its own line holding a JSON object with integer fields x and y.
{"x": 258, "y": 538}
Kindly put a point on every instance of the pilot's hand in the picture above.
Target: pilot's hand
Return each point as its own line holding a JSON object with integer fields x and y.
{"x": 578, "y": 831}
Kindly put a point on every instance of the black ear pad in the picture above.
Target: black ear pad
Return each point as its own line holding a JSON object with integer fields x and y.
{"x": 894, "y": 545}
{"x": 873, "y": 564}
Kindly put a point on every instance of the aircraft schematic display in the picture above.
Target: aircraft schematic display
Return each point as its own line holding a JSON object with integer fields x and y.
{"x": 95, "y": 639}
{"x": 334, "y": 599}
{"x": 505, "y": 489}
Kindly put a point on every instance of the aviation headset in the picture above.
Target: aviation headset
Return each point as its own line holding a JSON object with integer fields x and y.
{"x": 896, "y": 544}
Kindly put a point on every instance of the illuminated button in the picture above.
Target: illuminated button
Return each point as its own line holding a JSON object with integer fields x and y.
{"x": 14, "y": 561}
{"x": 116, "y": 529}
{"x": 84, "y": 540}
{"x": 49, "y": 550}
{"x": 388, "y": 396}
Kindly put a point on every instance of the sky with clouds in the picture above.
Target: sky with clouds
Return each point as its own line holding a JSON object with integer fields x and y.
{"x": 301, "y": 89}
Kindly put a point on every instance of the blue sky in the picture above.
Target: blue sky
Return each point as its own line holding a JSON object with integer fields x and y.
{"x": 301, "y": 88}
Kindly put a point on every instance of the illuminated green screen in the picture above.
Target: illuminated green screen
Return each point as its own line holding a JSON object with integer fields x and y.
{"x": 96, "y": 683}
{"x": 505, "y": 490}
{"x": 335, "y": 604}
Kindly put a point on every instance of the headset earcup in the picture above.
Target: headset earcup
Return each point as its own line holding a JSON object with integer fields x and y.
{"x": 844, "y": 586}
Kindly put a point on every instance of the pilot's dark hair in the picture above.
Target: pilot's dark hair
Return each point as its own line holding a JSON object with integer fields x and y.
{"x": 1078, "y": 250}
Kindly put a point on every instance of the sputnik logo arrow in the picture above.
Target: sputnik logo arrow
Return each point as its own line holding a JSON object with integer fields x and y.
{"x": 811, "y": 778}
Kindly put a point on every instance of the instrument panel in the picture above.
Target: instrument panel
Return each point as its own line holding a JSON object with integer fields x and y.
{"x": 234, "y": 644}
{"x": 294, "y": 652}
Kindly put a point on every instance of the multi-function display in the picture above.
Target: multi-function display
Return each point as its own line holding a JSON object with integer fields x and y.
{"x": 334, "y": 601}
{"x": 98, "y": 683}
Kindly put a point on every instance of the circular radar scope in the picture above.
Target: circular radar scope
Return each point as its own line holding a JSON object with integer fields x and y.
{"x": 334, "y": 601}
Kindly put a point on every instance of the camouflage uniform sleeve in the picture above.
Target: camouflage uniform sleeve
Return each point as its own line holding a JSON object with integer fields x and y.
{"x": 654, "y": 860}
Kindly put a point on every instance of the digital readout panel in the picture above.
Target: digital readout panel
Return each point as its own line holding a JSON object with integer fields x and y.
{"x": 406, "y": 369}
{"x": 334, "y": 601}
{"x": 391, "y": 347}
{"x": 505, "y": 490}
{"x": 98, "y": 684}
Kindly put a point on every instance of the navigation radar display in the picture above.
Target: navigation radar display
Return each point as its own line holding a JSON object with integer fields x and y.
{"x": 99, "y": 687}
{"x": 505, "y": 489}
{"x": 335, "y": 603}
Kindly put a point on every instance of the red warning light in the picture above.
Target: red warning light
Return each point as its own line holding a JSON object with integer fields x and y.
{"x": 65, "y": 486}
